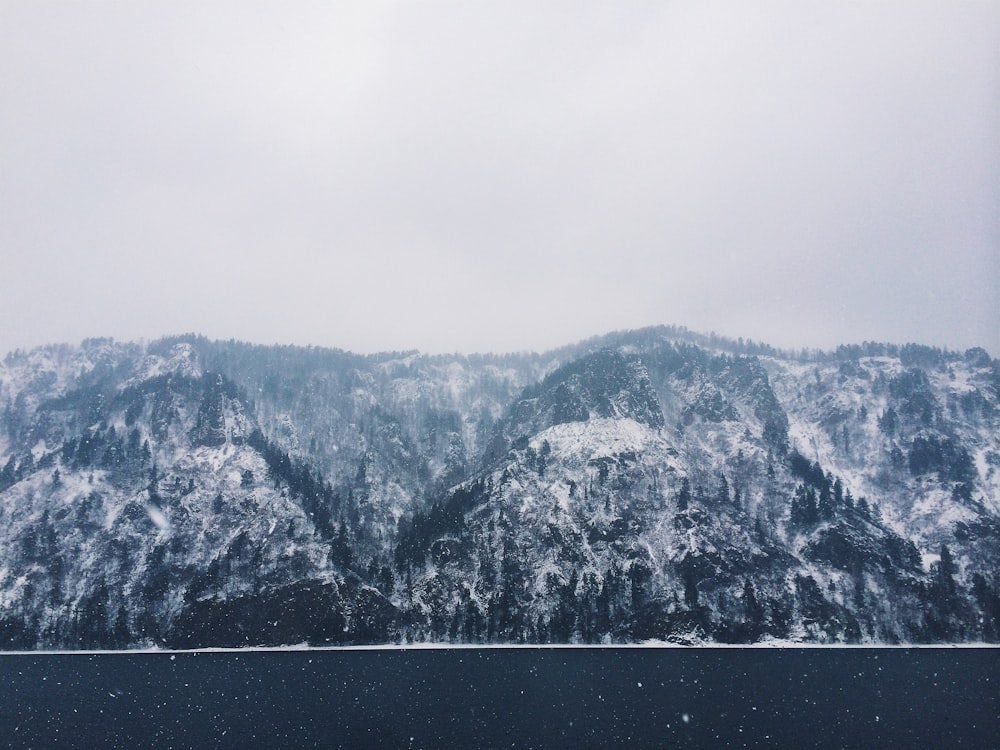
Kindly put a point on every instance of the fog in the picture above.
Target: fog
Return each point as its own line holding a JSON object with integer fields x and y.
{"x": 500, "y": 176}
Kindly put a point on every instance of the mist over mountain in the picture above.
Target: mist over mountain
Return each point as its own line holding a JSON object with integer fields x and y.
{"x": 644, "y": 485}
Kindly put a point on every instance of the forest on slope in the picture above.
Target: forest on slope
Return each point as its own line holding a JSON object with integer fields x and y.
{"x": 644, "y": 485}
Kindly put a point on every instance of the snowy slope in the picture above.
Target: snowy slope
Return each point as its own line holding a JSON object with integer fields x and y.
{"x": 653, "y": 484}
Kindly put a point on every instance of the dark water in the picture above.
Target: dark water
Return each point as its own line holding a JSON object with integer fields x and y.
{"x": 557, "y": 698}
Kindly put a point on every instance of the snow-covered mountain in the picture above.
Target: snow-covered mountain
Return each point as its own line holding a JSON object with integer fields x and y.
{"x": 653, "y": 484}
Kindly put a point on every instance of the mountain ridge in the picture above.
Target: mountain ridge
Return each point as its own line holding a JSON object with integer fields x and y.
{"x": 652, "y": 484}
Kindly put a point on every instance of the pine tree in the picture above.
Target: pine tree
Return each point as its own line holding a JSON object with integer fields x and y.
{"x": 754, "y": 611}
{"x": 9, "y": 473}
{"x": 723, "y": 492}
{"x": 684, "y": 496}
{"x": 946, "y": 574}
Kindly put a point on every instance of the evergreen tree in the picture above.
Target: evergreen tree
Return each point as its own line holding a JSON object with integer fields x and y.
{"x": 8, "y": 475}
{"x": 723, "y": 491}
{"x": 26, "y": 466}
{"x": 754, "y": 612}
{"x": 684, "y": 496}
{"x": 889, "y": 421}
{"x": 946, "y": 575}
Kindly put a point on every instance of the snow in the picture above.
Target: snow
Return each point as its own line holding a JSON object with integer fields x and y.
{"x": 440, "y": 646}
{"x": 595, "y": 438}
{"x": 182, "y": 361}
{"x": 928, "y": 559}
{"x": 561, "y": 514}
{"x": 157, "y": 517}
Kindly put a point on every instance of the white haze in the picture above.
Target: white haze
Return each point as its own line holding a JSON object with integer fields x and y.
{"x": 500, "y": 176}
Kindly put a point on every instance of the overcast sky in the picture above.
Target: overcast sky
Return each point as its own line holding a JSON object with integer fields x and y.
{"x": 498, "y": 176}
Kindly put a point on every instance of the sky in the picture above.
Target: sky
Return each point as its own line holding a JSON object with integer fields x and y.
{"x": 500, "y": 176}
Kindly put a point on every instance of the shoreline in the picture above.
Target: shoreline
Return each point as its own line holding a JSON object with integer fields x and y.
{"x": 654, "y": 645}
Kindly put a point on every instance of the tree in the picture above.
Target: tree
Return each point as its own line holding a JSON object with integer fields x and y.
{"x": 888, "y": 421}
{"x": 805, "y": 508}
{"x": 946, "y": 574}
{"x": 690, "y": 588}
{"x": 863, "y": 510}
{"x": 120, "y": 634}
{"x": 340, "y": 548}
{"x": 154, "y": 485}
{"x": 544, "y": 455}
{"x": 684, "y": 496}
{"x": 723, "y": 493}
{"x": 134, "y": 442}
{"x": 988, "y": 598}
{"x": 754, "y": 611}
{"x": 944, "y": 620}
{"x": 26, "y": 465}
{"x": 824, "y": 505}
{"x": 8, "y": 474}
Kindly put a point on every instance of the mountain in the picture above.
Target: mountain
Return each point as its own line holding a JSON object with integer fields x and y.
{"x": 644, "y": 485}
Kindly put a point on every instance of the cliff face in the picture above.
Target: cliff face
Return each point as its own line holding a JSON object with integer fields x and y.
{"x": 646, "y": 485}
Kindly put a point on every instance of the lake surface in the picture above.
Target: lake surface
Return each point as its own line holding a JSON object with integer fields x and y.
{"x": 512, "y": 697}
